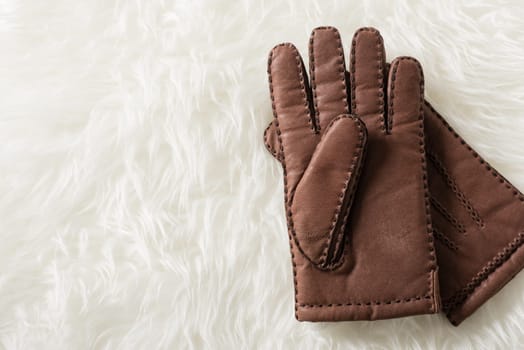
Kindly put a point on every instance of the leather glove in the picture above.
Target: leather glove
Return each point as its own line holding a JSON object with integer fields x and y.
{"x": 478, "y": 221}
{"x": 478, "y": 218}
{"x": 357, "y": 253}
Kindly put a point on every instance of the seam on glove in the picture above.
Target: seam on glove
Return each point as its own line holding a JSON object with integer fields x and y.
{"x": 368, "y": 303}
{"x": 268, "y": 146}
{"x": 312, "y": 78}
{"x": 447, "y": 215}
{"x": 445, "y": 240}
{"x": 452, "y": 184}
{"x": 498, "y": 260}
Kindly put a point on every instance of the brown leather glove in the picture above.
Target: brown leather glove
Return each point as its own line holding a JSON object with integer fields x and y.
{"x": 478, "y": 221}
{"x": 379, "y": 262}
{"x": 478, "y": 218}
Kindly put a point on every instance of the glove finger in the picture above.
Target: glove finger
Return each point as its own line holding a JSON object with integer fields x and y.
{"x": 367, "y": 69}
{"x": 327, "y": 72}
{"x": 289, "y": 94}
{"x": 324, "y": 195}
{"x": 405, "y": 92}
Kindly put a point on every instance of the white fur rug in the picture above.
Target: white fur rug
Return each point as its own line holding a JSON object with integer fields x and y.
{"x": 139, "y": 208}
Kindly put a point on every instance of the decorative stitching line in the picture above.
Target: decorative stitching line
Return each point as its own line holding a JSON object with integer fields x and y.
{"x": 498, "y": 260}
{"x": 385, "y": 100}
{"x": 445, "y": 240}
{"x": 312, "y": 78}
{"x": 447, "y": 215}
{"x": 369, "y": 303}
{"x": 452, "y": 184}
{"x": 391, "y": 99}
{"x": 268, "y": 146}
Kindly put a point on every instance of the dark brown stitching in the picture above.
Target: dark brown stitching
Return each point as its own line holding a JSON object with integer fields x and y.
{"x": 268, "y": 146}
{"x": 442, "y": 238}
{"x": 498, "y": 260}
{"x": 369, "y": 303}
{"x": 385, "y": 102}
{"x": 312, "y": 78}
{"x": 391, "y": 109}
{"x": 452, "y": 184}
{"x": 447, "y": 215}
{"x": 380, "y": 76}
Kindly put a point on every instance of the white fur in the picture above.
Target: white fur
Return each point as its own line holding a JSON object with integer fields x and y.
{"x": 139, "y": 208}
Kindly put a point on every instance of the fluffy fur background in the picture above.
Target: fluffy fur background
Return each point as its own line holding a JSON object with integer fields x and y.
{"x": 138, "y": 206}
